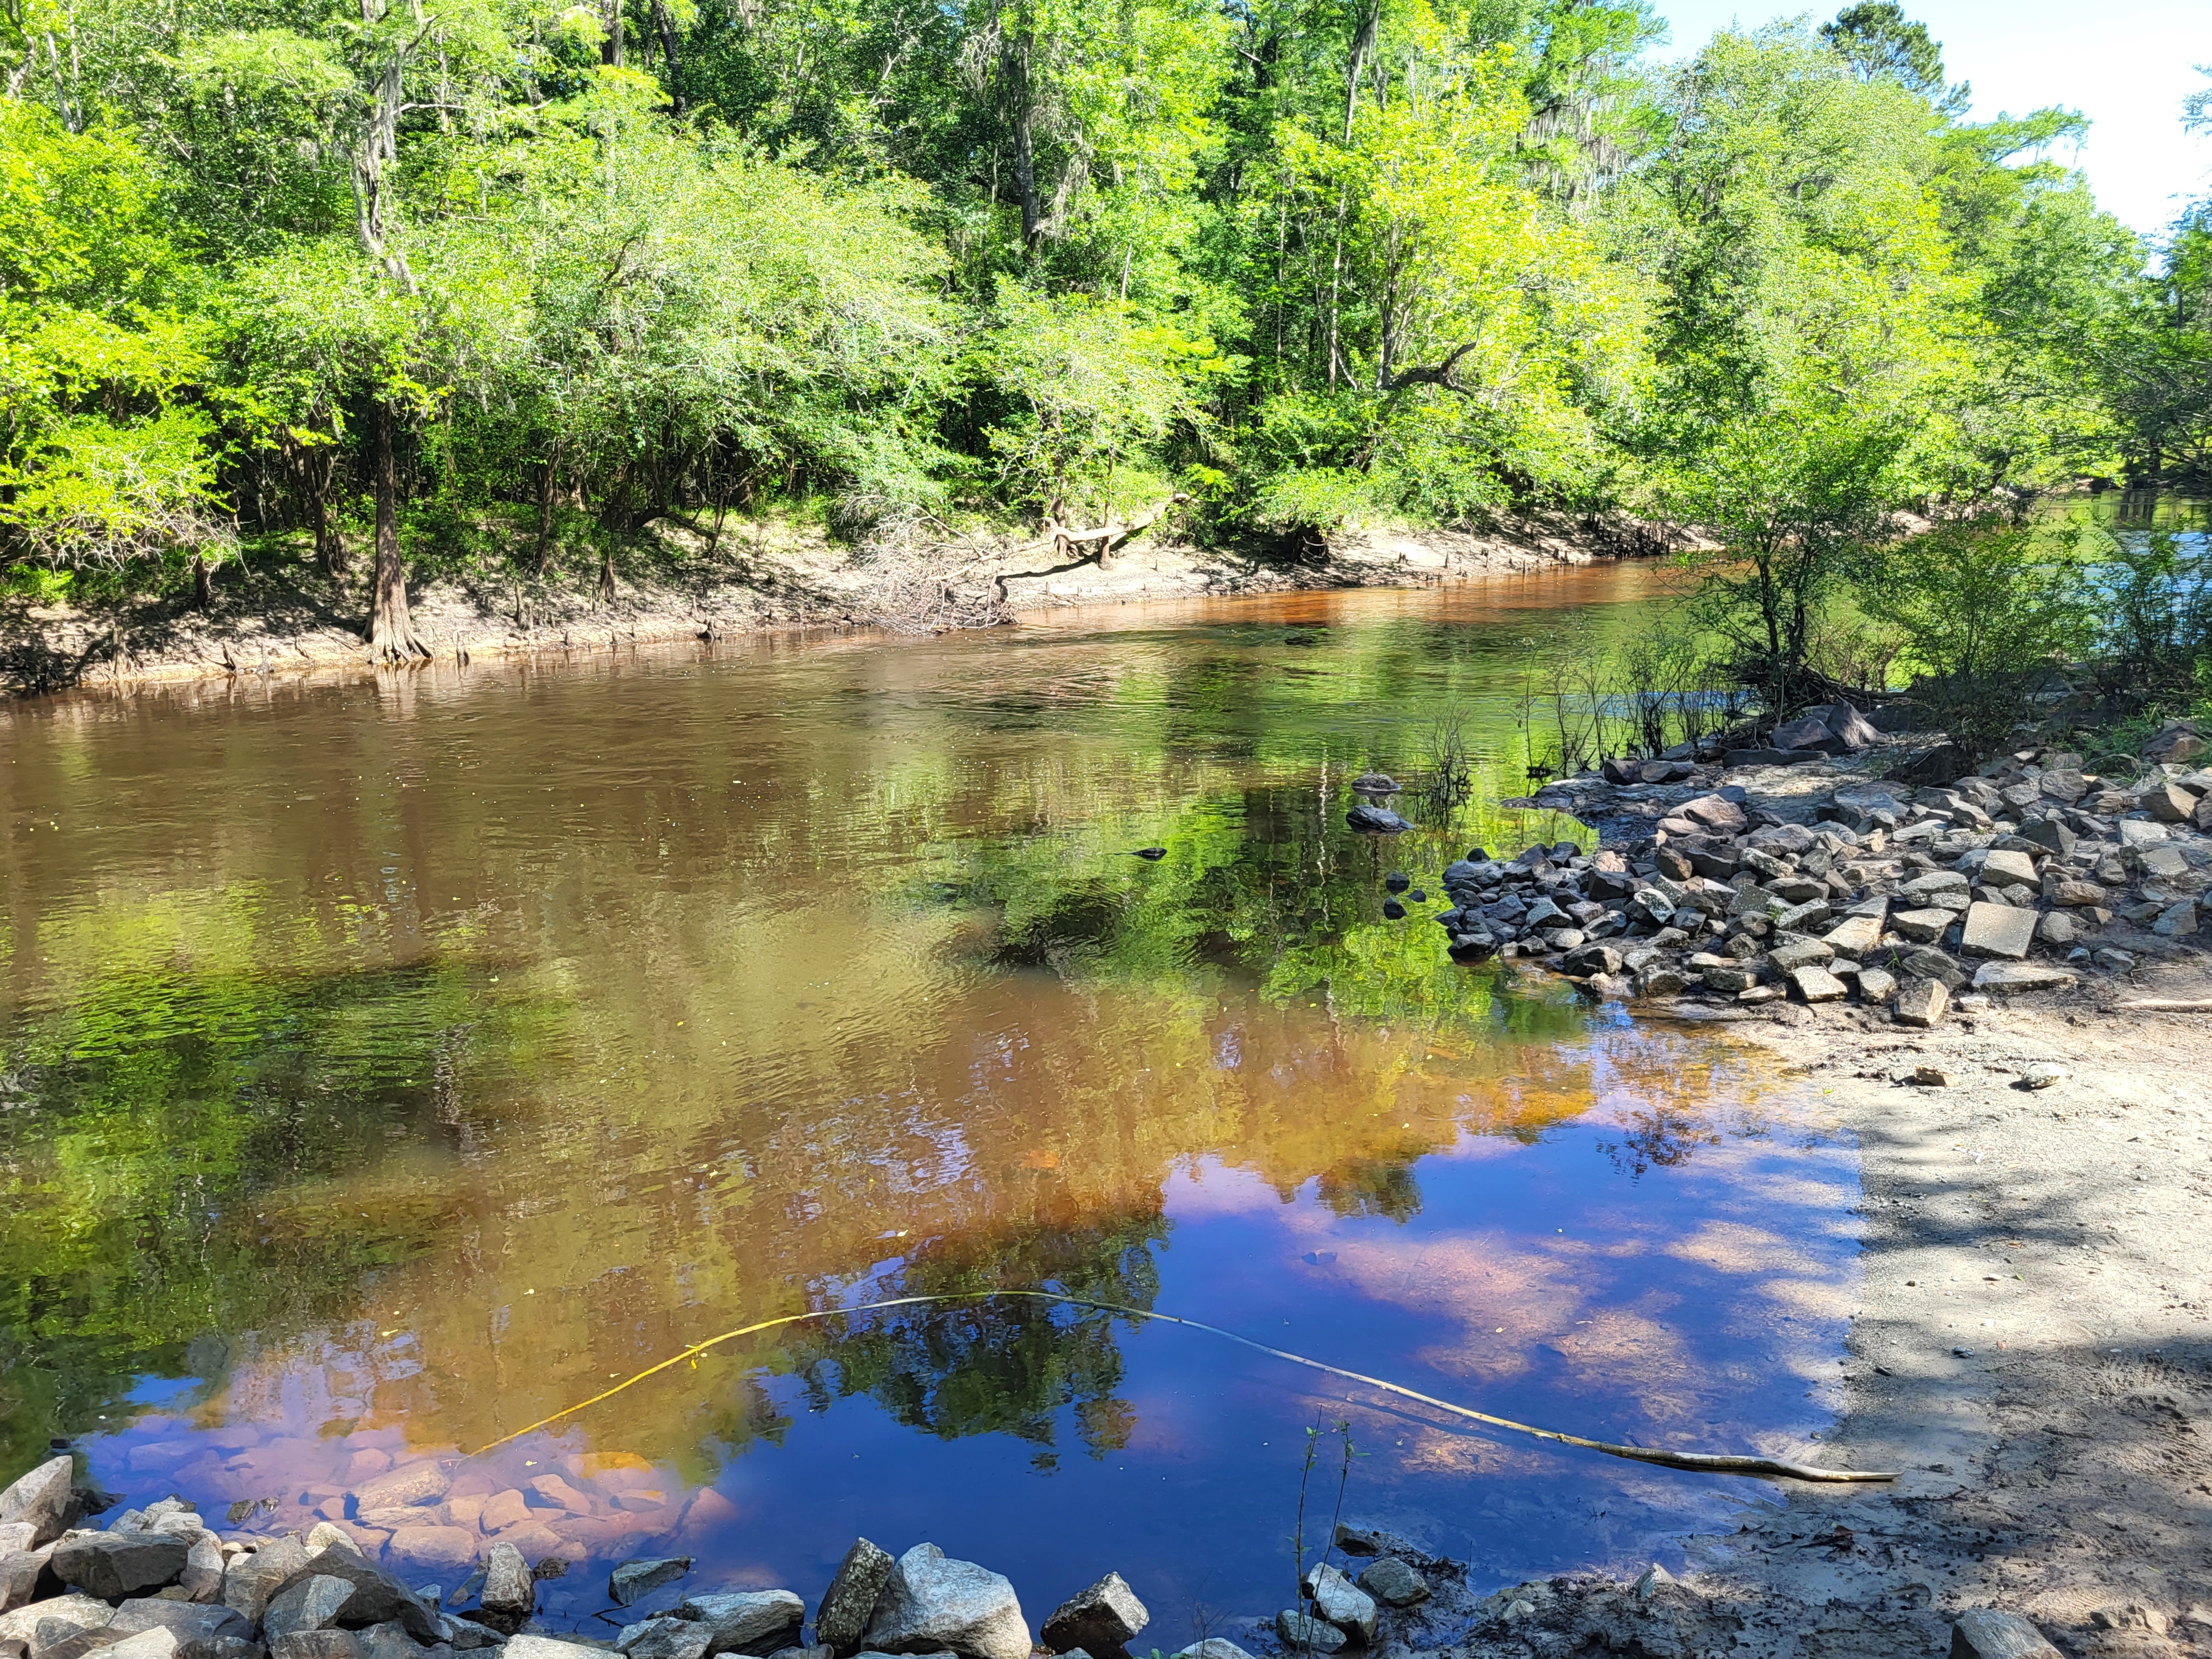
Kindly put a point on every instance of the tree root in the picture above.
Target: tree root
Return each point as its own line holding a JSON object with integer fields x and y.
{"x": 1700, "y": 1462}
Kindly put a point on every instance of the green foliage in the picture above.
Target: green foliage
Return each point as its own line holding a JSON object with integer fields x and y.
{"x": 1413, "y": 260}
{"x": 1986, "y": 611}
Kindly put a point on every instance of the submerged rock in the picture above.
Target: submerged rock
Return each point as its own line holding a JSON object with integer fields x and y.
{"x": 633, "y": 1578}
{"x": 510, "y": 1589}
{"x": 1394, "y": 1584}
{"x": 1303, "y": 1634}
{"x": 1375, "y": 820}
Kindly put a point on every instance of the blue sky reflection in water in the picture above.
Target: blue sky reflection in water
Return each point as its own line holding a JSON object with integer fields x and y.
{"x": 483, "y": 1040}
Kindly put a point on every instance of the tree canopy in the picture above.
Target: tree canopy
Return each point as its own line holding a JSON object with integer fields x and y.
{"x": 277, "y": 271}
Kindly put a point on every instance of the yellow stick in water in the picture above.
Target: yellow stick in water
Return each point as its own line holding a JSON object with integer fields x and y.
{"x": 1703, "y": 1462}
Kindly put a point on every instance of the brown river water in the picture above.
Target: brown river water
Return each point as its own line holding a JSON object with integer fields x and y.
{"x": 387, "y": 1065}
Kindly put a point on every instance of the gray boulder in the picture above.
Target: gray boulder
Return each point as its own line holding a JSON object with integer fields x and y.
{"x": 157, "y": 1642}
{"x": 313, "y": 1602}
{"x": 664, "y": 1639}
{"x": 747, "y": 1621}
{"x": 114, "y": 1564}
{"x": 841, "y": 1620}
{"x": 1375, "y": 820}
{"x": 1301, "y": 1634}
{"x": 61, "y": 1640}
{"x": 1394, "y": 1584}
{"x": 316, "y": 1644}
{"x": 40, "y": 1499}
{"x": 201, "y": 1579}
{"x": 931, "y": 1602}
{"x": 1214, "y": 1647}
{"x": 195, "y": 1626}
{"x": 378, "y": 1597}
{"x": 632, "y": 1579}
{"x": 248, "y": 1580}
{"x": 510, "y": 1593}
{"x": 391, "y": 1641}
{"x": 77, "y": 1612}
{"x": 1342, "y": 1602}
{"x": 1100, "y": 1620}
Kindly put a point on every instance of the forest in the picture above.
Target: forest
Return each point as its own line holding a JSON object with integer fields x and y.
{"x": 523, "y": 281}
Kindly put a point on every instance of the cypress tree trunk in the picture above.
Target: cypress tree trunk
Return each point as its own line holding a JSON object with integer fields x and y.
{"x": 393, "y": 641}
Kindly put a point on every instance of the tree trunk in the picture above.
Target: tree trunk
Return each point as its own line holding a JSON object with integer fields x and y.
{"x": 393, "y": 641}
{"x": 610, "y": 48}
{"x": 1024, "y": 115}
{"x": 545, "y": 481}
{"x": 665, "y": 21}
{"x": 330, "y": 545}
{"x": 606, "y": 572}
{"x": 202, "y": 584}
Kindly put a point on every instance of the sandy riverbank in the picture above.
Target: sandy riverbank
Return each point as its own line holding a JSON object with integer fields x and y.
{"x": 2032, "y": 1350}
{"x": 286, "y": 618}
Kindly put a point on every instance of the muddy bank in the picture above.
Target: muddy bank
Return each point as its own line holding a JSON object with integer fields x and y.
{"x": 286, "y": 617}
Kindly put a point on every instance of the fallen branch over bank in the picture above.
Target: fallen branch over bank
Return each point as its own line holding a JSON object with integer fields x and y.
{"x": 1699, "y": 1462}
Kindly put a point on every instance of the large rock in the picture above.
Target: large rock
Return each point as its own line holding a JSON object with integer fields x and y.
{"x": 1923, "y": 926}
{"x": 510, "y": 1589}
{"x": 665, "y": 1638}
{"x": 2168, "y": 803}
{"x": 2021, "y": 976}
{"x": 931, "y": 1601}
{"x": 158, "y": 1642}
{"x": 316, "y": 1644}
{"x": 1394, "y": 1584}
{"x": 2175, "y": 921}
{"x": 747, "y": 1621}
{"x": 1214, "y": 1647}
{"x": 41, "y": 1499}
{"x": 202, "y": 1579}
{"x": 313, "y": 1602}
{"x": 1713, "y": 812}
{"x": 1986, "y": 1634}
{"x": 545, "y": 1647}
{"x": 1922, "y": 1003}
{"x": 85, "y": 1611}
{"x": 1342, "y": 1602}
{"x": 24, "y": 1574}
{"x": 114, "y": 1564}
{"x": 2006, "y": 869}
{"x": 378, "y": 1598}
{"x": 634, "y": 1578}
{"x": 1100, "y": 1619}
{"x": 1997, "y": 930}
{"x": 1301, "y": 1634}
{"x": 1855, "y": 935}
{"x": 841, "y": 1620}
{"x": 1807, "y": 731}
{"x": 1816, "y": 984}
{"x": 192, "y": 1625}
{"x": 248, "y": 1580}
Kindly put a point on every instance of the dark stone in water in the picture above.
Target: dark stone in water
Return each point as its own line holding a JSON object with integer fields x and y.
{"x": 1393, "y": 911}
{"x": 1375, "y": 820}
{"x": 632, "y": 1579}
{"x": 1150, "y": 853}
{"x": 1419, "y": 896}
{"x": 1099, "y": 1620}
{"x": 1397, "y": 881}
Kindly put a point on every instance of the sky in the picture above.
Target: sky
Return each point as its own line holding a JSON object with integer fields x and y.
{"x": 2126, "y": 64}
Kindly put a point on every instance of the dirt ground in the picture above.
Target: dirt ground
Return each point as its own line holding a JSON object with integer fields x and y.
{"x": 2032, "y": 1355}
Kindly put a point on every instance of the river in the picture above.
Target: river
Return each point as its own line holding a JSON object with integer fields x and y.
{"x": 387, "y": 1065}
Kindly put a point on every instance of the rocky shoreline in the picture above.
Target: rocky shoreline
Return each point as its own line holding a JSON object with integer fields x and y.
{"x": 1810, "y": 879}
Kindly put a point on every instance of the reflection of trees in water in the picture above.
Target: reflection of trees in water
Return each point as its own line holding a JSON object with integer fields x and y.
{"x": 1658, "y": 1139}
{"x": 173, "y": 1164}
{"x": 1006, "y": 1366}
{"x": 1374, "y": 1186}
